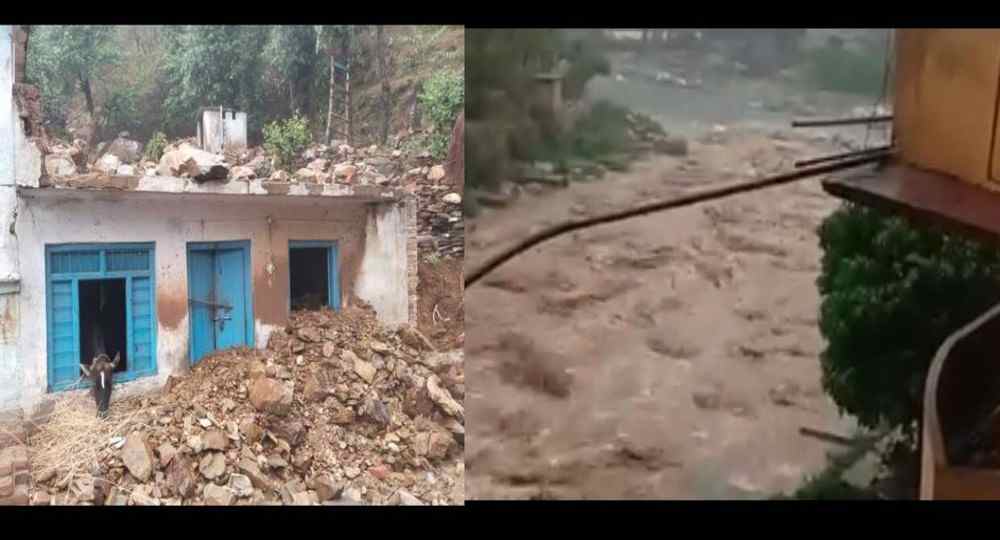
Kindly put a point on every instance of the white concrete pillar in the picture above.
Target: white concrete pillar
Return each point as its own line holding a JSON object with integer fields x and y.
{"x": 10, "y": 369}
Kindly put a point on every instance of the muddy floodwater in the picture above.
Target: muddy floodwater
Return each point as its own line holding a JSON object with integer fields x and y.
{"x": 669, "y": 356}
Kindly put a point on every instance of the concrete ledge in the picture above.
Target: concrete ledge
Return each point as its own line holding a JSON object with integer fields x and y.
{"x": 257, "y": 187}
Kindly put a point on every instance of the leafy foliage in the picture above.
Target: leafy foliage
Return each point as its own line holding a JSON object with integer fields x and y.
{"x": 155, "y": 147}
{"x": 500, "y": 68}
{"x": 212, "y": 66}
{"x": 442, "y": 98}
{"x": 828, "y": 486}
{"x": 891, "y": 294}
{"x": 287, "y": 139}
{"x": 64, "y": 61}
{"x": 292, "y": 54}
{"x": 147, "y": 78}
{"x": 120, "y": 111}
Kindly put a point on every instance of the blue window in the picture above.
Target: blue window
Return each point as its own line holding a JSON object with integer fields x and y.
{"x": 100, "y": 298}
{"x": 314, "y": 280}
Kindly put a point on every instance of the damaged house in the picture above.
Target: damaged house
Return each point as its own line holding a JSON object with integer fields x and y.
{"x": 166, "y": 269}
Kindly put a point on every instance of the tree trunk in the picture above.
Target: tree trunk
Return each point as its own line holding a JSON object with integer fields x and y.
{"x": 381, "y": 53}
{"x": 88, "y": 95}
{"x": 333, "y": 88}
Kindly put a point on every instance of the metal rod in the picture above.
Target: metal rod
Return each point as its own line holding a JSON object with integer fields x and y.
{"x": 845, "y": 155}
{"x": 827, "y": 436}
{"x": 842, "y": 121}
{"x": 559, "y": 229}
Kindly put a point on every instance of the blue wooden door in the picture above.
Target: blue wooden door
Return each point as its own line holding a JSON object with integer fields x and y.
{"x": 141, "y": 326}
{"x": 200, "y": 282}
{"x": 230, "y": 318}
{"x": 219, "y": 297}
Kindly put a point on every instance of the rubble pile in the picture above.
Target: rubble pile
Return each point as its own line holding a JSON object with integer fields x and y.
{"x": 336, "y": 410}
{"x": 440, "y": 224}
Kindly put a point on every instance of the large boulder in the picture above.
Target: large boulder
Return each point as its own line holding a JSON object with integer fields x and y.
{"x": 344, "y": 171}
{"x": 194, "y": 163}
{"x": 242, "y": 172}
{"x": 125, "y": 149}
{"x": 261, "y": 165}
{"x": 180, "y": 479}
{"x": 271, "y": 396}
{"x": 108, "y": 164}
{"x": 218, "y": 495}
{"x": 59, "y": 165}
{"x": 138, "y": 456}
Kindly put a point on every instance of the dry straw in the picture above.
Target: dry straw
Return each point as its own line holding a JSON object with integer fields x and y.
{"x": 72, "y": 440}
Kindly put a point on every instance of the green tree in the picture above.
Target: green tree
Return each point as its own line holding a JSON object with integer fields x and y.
{"x": 65, "y": 60}
{"x": 337, "y": 42}
{"x": 291, "y": 53}
{"x": 209, "y": 66}
{"x": 442, "y": 97}
{"x": 891, "y": 294}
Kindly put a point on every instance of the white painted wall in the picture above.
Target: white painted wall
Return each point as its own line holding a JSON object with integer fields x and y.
{"x": 223, "y": 133}
{"x": 173, "y": 220}
{"x": 10, "y": 367}
{"x": 382, "y": 280}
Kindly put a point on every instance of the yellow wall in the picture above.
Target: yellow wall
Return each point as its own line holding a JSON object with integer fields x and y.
{"x": 946, "y": 84}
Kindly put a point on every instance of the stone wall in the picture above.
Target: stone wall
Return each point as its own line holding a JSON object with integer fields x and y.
{"x": 440, "y": 223}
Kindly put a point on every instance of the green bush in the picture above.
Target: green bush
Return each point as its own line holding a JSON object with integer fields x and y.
{"x": 891, "y": 294}
{"x": 285, "y": 140}
{"x": 600, "y": 132}
{"x": 154, "y": 148}
{"x": 442, "y": 97}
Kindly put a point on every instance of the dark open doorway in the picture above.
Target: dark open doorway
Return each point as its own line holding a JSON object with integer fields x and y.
{"x": 102, "y": 320}
{"x": 309, "y": 276}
